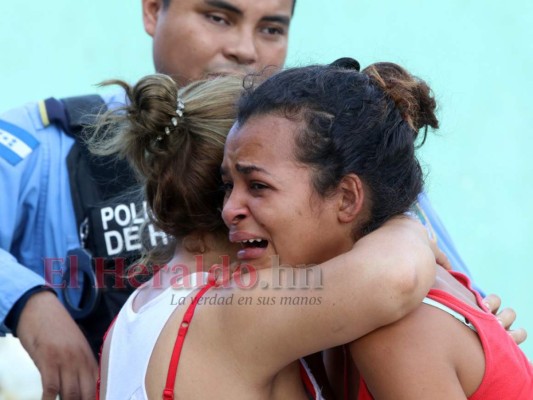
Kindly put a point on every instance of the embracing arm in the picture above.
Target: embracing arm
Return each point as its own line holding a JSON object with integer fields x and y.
{"x": 382, "y": 278}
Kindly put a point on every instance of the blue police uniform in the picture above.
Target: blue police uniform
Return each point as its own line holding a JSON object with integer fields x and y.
{"x": 38, "y": 224}
{"x": 427, "y": 215}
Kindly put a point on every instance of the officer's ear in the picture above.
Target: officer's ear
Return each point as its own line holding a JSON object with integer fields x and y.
{"x": 151, "y": 12}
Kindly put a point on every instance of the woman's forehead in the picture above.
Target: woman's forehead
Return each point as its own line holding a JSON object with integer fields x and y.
{"x": 262, "y": 140}
{"x": 266, "y": 130}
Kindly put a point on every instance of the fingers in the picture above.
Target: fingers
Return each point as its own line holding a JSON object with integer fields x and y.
{"x": 79, "y": 372}
{"x": 87, "y": 379}
{"x": 518, "y": 335}
{"x": 493, "y": 303}
{"x": 70, "y": 374}
{"x": 443, "y": 261}
{"x": 71, "y": 377}
{"x": 88, "y": 390}
{"x": 58, "y": 348}
{"x": 506, "y": 317}
{"x": 70, "y": 389}
{"x": 51, "y": 383}
{"x": 440, "y": 258}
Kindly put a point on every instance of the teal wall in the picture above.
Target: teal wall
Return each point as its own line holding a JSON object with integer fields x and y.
{"x": 477, "y": 55}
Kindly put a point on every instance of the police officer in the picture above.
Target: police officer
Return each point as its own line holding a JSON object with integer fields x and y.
{"x": 191, "y": 39}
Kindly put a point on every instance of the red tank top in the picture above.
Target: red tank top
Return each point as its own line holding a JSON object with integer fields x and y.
{"x": 508, "y": 372}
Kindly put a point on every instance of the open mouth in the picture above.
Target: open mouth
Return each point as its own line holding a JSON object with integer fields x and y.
{"x": 254, "y": 243}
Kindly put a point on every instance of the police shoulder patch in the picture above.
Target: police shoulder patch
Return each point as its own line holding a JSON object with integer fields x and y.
{"x": 15, "y": 143}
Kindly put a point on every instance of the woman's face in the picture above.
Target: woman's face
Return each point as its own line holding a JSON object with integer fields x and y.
{"x": 271, "y": 207}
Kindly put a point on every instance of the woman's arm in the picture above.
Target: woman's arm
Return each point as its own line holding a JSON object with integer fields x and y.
{"x": 383, "y": 277}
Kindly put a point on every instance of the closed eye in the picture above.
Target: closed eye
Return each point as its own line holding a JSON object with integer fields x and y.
{"x": 217, "y": 19}
{"x": 258, "y": 186}
{"x": 227, "y": 187}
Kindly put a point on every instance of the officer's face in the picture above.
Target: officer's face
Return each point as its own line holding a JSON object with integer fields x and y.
{"x": 194, "y": 39}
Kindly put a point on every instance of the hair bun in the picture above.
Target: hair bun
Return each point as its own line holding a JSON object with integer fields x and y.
{"x": 347, "y": 63}
{"x": 412, "y": 95}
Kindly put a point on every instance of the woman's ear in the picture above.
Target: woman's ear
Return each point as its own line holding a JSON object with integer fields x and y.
{"x": 351, "y": 198}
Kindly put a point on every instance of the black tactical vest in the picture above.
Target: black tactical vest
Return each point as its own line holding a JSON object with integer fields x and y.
{"x": 109, "y": 215}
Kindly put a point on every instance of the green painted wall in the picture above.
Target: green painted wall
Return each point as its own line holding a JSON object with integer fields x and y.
{"x": 477, "y": 55}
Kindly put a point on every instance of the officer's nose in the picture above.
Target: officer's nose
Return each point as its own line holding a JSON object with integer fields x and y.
{"x": 242, "y": 48}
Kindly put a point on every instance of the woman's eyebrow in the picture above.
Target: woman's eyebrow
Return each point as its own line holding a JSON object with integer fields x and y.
{"x": 248, "y": 169}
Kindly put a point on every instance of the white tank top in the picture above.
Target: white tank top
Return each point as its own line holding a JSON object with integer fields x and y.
{"x": 135, "y": 335}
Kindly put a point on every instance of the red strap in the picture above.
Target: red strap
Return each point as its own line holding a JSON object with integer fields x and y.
{"x": 168, "y": 393}
{"x": 304, "y": 375}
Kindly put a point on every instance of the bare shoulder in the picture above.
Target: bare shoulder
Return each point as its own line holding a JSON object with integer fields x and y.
{"x": 214, "y": 342}
{"x": 422, "y": 355}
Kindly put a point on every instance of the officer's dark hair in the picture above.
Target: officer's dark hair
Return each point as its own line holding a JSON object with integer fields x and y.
{"x": 177, "y": 158}
{"x": 166, "y": 3}
{"x": 356, "y": 122}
